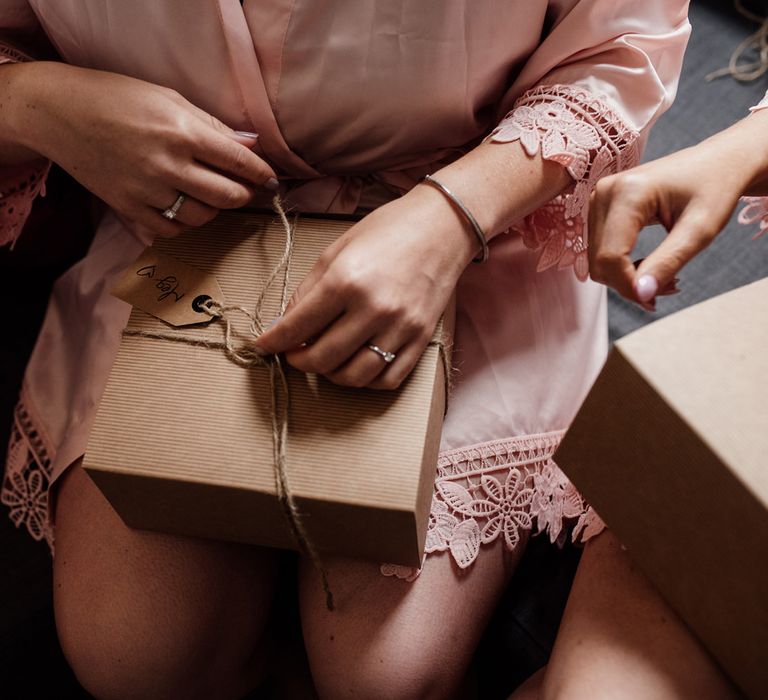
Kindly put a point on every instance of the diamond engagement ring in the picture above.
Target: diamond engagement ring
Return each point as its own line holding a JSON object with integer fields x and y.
{"x": 173, "y": 210}
{"x": 388, "y": 357}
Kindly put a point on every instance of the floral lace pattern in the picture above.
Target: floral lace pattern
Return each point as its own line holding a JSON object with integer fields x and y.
{"x": 18, "y": 190}
{"x": 756, "y": 212}
{"x": 19, "y": 186}
{"x": 577, "y": 129}
{"x": 497, "y": 491}
{"x": 27, "y": 477}
{"x": 9, "y": 54}
{"x": 492, "y": 491}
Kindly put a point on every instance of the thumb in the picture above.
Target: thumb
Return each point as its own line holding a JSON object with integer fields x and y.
{"x": 689, "y": 236}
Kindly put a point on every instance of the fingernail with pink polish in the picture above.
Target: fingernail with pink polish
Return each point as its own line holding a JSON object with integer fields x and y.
{"x": 247, "y": 134}
{"x": 272, "y": 184}
{"x": 646, "y": 288}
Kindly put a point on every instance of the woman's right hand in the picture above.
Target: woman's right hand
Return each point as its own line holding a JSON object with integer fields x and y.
{"x": 136, "y": 145}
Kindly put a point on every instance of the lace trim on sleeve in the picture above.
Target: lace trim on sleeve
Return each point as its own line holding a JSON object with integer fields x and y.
{"x": 19, "y": 186}
{"x": 8, "y": 54}
{"x": 501, "y": 491}
{"x": 18, "y": 189}
{"x": 756, "y": 212}
{"x": 577, "y": 129}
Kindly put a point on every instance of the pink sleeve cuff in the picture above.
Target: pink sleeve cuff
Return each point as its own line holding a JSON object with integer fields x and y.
{"x": 760, "y": 105}
{"x": 19, "y": 184}
{"x": 577, "y": 129}
{"x": 756, "y": 212}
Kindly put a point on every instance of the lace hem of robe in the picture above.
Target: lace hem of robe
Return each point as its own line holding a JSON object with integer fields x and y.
{"x": 482, "y": 493}
{"x": 497, "y": 490}
{"x": 28, "y": 477}
{"x": 19, "y": 185}
{"x": 573, "y": 127}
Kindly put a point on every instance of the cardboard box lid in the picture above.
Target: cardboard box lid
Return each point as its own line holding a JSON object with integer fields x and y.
{"x": 670, "y": 447}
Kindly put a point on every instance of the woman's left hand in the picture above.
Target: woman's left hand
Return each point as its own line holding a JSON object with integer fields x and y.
{"x": 385, "y": 282}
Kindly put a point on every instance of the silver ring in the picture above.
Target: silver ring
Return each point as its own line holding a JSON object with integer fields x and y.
{"x": 388, "y": 357}
{"x": 173, "y": 210}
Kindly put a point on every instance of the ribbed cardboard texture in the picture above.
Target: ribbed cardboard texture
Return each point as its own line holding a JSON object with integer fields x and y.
{"x": 183, "y": 443}
{"x": 671, "y": 448}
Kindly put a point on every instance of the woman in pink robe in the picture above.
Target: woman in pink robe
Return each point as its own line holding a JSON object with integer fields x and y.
{"x": 519, "y": 108}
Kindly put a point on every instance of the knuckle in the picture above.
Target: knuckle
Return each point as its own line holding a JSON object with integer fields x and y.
{"x": 318, "y": 363}
{"x": 346, "y": 378}
{"x": 628, "y": 184}
{"x": 231, "y": 198}
{"x": 352, "y": 285}
{"x": 390, "y": 382}
{"x": 412, "y": 324}
{"x": 172, "y": 94}
{"x": 602, "y": 263}
{"x": 386, "y": 310}
{"x": 200, "y": 218}
{"x": 168, "y": 230}
{"x": 675, "y": 260}
{"x": 604, "y": 186}
{"x": 239, "y": 160}
{"x": 705, "y": 231}
{"x": 161, "y": 169}
{"x": 179, "y": 134}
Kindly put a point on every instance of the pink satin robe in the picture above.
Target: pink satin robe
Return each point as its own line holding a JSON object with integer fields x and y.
{"x": 353, "y": 103}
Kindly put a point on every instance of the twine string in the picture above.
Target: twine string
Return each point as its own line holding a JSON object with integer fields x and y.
{"x": 744, "y": 70}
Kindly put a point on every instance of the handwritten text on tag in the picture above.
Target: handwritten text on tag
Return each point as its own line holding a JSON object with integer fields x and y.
{"x": 168, "y": 289}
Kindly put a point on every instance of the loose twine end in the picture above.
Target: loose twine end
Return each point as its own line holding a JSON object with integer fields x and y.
{"x": 758, "y": 43}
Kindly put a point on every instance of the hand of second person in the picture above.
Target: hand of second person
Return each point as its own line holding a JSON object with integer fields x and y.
{"x": 692, "y": 193}
{"x": 137, "y": 145}
{"x": 385, "y": 282}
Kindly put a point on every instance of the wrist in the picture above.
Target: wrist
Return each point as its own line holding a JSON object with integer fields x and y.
{"x": 745, "y": 147}
{"x": 13, "y": 84}
{"x": 30, "y": 90}
{"x": 453, "y": 234}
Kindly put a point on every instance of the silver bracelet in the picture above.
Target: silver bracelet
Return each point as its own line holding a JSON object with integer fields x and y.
{"x": 429, "y": 180}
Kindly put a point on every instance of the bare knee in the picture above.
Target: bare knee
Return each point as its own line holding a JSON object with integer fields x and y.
{"x": 114, "y": 656}
{"x": 143, "y": 615}
{"x": 385, "y": 674}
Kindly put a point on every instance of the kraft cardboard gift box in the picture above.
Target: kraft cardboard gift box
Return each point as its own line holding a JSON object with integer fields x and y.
{"x": 184, "y": 439}
{"x": 671, "y": 448}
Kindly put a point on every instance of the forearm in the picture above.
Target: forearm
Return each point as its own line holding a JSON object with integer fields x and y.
{"x": 740, "y": 154}
{"x": 499, "y": 183}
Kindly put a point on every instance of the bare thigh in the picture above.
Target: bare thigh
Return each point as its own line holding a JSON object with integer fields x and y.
{"x": 141, "y": 614}
{"x": 393, "y": 639}
{"x": 619, "y": 639}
